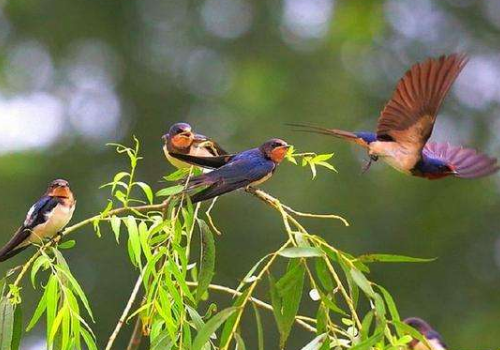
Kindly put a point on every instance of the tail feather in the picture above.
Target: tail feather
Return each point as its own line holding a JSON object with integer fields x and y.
{"x": 341, "y": 134}
{"x": 12, "y": 247}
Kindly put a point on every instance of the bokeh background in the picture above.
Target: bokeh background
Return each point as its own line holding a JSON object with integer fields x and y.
{"x": 77, "y": 74}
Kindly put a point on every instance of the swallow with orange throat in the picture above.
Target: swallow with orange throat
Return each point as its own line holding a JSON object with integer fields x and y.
{"x": 232, "y": 172}
{"x": 181, "y": 139}
{"x": 434, "y": 338}
{"x": 406, "y": 123}
{"x": 47, "y": 217}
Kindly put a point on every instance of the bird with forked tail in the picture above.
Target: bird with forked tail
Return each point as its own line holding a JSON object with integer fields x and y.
{"x": 45, "y": 219}
{"x": 406, "y": 123}
{"x": 433, "y": 338}
{"x": 232, "y": 172}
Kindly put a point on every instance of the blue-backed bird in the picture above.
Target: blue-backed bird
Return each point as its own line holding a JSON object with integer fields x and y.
{"x": 180, "y": 139}
{"x": 45, "y": 219}
{"x": 433, "y": 337}
{"x": 232, "y": 172}
{"x": 406, "y": 123}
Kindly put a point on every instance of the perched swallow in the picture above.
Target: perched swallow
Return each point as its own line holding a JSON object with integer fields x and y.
{"x": 432, "y": 336}
{"x": 406, "y": 124}
{"x": 248, "y": 168}
{"x": 181, "y": 140}
{"x": 45, "y": 219}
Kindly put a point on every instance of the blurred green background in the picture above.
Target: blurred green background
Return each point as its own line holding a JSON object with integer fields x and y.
{"x": 77, "y": 74}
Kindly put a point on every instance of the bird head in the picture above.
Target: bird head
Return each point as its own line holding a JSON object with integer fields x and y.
{"x": 180, "y": 136}
{"x": 427, "y": 331}
{"x": 59, "y": 188}
{"x": 275, "y": 149}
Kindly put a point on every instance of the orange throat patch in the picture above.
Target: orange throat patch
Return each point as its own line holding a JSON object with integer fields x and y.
{"x": 278, "y": 154}
{"x": 182, "y": 141}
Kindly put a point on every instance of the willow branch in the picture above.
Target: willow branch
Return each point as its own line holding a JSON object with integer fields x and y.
{"x": 70, "y": 229}
{"x": 126, "y": 312}
{"x": 136, "y": 337}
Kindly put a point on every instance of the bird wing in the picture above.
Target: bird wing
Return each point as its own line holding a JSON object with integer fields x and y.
{"x": 204, "y": 162}
{"x": 210, "y": 145}
{"x": 245, "y": 169}
{"x": 36, "y": 216}
{"x": 466, "y": 162}
{"x": 408, "y": 118}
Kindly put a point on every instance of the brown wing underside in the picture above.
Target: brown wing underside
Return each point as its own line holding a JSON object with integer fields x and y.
{"x": 409, "y": 116}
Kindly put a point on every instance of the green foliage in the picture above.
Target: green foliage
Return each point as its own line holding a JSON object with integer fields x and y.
{"x": 176, "y": 286}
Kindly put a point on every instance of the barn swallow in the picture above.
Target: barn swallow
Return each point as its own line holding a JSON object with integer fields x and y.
{"x": 45, "y": 219}
{"x": 433, "y": 337}
{"x": 181, "y": 140}
{"x": 248, "y": 168}
{"x": 406, "y": 123}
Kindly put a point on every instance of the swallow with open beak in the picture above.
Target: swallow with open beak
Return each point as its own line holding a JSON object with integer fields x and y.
{"x": 248, "y": 168}
{"x": 433, "y": 337}
{"x": 45, "y": 219}
{"x": 180, "y": 139}
{"x": 407, "y": 121}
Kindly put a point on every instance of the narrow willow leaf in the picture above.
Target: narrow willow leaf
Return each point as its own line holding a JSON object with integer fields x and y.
{"x": 250, "y": 273}
{"x": 392, "y": 258}
{"x": 144, "y": 239}
{"x": 207, "y": 260}
{"x": 301, "y": 252}
{"x": 162, "y": 342}
{"x": 240, "y": 343}
{"x": 6, "y": 324}
{"x": 89, "y": 339}
{"x": 75, "y": 286}
{"x": 147, "y": 191}
{"x": 170, "y": 191}
{"x": 40, "y": 309}
{"x": 360, "y": 279}
{"x": 67, "y": 245}
{"x": 228, "y": 326}
{"x": 324, "y": 275}
{"x": 39, "y": 262}
{"x": 393, "y": 310}
{"x": 366, "y": 324}
{"x": 52, "y": 299}
{"x": 260, "y": 329}
{"x": 134, "y": 239}
{"x": 210, "y": 327}
{"x": 177, "y": 175}
{"x": 17, "y": 331}
{"x": 198, "y": 322}
{"x": 368, "y": 343}
{"x": 115, "y": 226}
{"x": 380, "y": 307}
{"x": 406, "y": 329}
{"x": 54, "y": 327}
{"x": 316, "y": 343}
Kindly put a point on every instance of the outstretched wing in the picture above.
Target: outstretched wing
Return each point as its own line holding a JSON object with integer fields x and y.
{"x": 466, "y": 162}
{"x": 408, "y": 118}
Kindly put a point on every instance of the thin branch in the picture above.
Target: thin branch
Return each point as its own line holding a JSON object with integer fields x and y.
{"x": 70, "y": 229}
{"x": 125, "y": 312}
{"x": 136, "y": 338}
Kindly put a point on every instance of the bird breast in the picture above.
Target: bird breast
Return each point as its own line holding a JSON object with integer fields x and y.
{"x": 56, "y": 220}
{"x": 395, "y": 155}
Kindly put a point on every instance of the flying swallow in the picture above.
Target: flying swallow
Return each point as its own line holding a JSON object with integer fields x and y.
{"x": 433, "y": 337}
{"x": 406, "y": 123}
{"x": 180, "y": 139}
{"x": 45, "y": 219}
{"x": 248, "y": 168}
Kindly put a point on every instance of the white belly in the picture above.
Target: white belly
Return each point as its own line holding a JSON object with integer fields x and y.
{"x": 433, "y": 342}
{"x": 395, "y": 155}
{"x": 179, "y": 164}
{"x": 56, "y": 221}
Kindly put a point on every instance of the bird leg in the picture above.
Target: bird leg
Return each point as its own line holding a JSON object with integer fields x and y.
{"x": 373, "y": 158}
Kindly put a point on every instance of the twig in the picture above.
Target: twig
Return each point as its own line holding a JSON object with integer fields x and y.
{"x": 125, "y": 312}
{"x": 136, "y": 337}
{"x": 68, "y": 230}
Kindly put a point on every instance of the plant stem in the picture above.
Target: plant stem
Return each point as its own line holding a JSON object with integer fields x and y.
{"x": 125, "y": 312}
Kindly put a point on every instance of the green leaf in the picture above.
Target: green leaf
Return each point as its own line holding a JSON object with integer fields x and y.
{"x": 210, "y": 327}
{"x": 18, "y": 328}
{"x": 316, "y": 343}
{"x": 115, "y": 226}
{"x": 39, "y": 262}
{"x": 240, "y": 344}
{"x": 89, "y": 339}
{"x": 366, "y": 324}
{"x": 42, "y": 305}
{"x": 324, "y": 275}
{"x": 170, "y": 191}
{"x": 250, "y": 273}
{"x": 407, "y": 329}
{"x": 52, "y": 299}
{"x": 207, "y": 260}
{"x": 134, "y": 240}
{"x": 6, "y": 324}
{"x": 285, "y": 298}
{"x": 67, "y": 245}
{"x": 228, "y": 326}
{"x": 368, "y": 343}
{"x": 177, "y": 175}
{"x": 370, "y": 258}
{"x": 360, "y": 279}
{"x": 75, "y": 286}
{"x": 260, "y": 329}
{"x": 147, "y": 190}
{"x": 301, "y": 252}
{"x": 393, "y": 310}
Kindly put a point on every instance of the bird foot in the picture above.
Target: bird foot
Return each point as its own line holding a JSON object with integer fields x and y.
{"x": 367, "y": 166}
